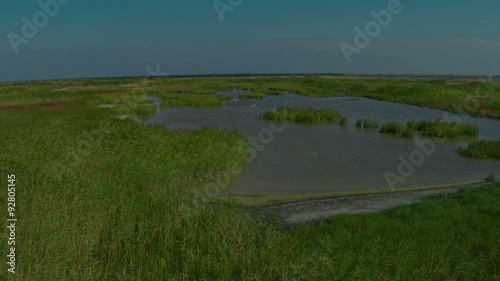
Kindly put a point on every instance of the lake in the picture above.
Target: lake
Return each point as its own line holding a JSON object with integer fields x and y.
{"x": 297, "y": 159}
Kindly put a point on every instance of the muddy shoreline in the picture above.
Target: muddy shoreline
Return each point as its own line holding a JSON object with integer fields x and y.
{"x": 313, "y": 211}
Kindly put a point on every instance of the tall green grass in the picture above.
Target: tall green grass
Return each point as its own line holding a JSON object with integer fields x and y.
{"x": 438, "y": 129}
{"x": 127, "y": 206}
{"x": 393, "y": 128}
{"x": 440, "y": 239}
{"x": 303, "y": 115}
{"x": 399, "y": 129}
{"x": 431, "y": 128}
{"x": 129, "y": 210}
{"x": 482, "y": 150}
{"x": 367, "y": 124}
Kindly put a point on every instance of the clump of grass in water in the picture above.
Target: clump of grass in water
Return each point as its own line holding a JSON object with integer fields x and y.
{"x": 367, "y": 124}
{"x": 393, "y": 128}
{"x": 408, "y": 132}
{"x": 469, "y": 130}
{"x": 359, "y": 124}
{"x": 450, "y": 130}
{"x": 303, "y": 115}
{"x": 430, "y": 128}
{"x": 412, "y": 125}
{"x": 482, "y": 150}
{"x": 252, "y": 96}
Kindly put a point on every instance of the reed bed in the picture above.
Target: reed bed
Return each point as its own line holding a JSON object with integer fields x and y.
{"x": 303, "y": 115}
{"x": 482, "y": 150}
{"x": 449, "y": 130}
{"x": 393, "y": 128}
{"x": 367, "y": 124}
{"x": 431, "y": 129}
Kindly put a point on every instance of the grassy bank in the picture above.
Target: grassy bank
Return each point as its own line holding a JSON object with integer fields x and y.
{"x": 99, "y": 198}
{"x": 303, "y": 115}
{"x": 482, "y": 150}
{"x": 272, "y": 200}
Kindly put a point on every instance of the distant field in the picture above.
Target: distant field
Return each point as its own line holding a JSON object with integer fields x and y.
{"x": 471, "y": 97}
{"x": 101, "y": 198}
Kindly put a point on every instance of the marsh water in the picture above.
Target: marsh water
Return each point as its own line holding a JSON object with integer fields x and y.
{"x": 297, "y": 159}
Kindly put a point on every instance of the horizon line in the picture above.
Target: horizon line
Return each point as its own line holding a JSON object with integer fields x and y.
{"x": 307, "y": 74}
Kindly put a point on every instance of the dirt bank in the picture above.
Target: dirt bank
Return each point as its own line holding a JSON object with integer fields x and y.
{"x": 310, "y": 211}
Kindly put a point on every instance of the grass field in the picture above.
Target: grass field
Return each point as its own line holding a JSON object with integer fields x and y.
{"x": 100, "y": 198}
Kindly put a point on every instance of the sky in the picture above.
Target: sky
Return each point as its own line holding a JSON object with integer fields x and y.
{"x": 59, "y": 39}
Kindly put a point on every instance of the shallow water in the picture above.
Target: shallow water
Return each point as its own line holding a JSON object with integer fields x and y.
{"x": 330, "y": 158}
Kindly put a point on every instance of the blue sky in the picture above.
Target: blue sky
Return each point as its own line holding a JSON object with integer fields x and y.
{"x": 114, "y": 38}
